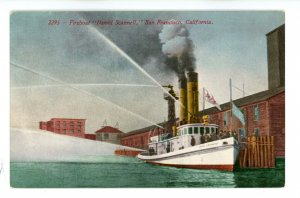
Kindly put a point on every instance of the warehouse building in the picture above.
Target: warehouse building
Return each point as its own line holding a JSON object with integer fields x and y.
{"x": 65, "y": 126}
{"x": 264, "y": 112}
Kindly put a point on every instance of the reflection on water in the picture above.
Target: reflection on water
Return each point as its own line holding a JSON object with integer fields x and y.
{"x": 112, "y": 171}
{"x": 273, "y": 177}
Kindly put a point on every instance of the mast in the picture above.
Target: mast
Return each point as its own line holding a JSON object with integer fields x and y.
{"x": 230, "y": 91}
{"x": 243, "y": 90}
{"x": 203, "y": 102}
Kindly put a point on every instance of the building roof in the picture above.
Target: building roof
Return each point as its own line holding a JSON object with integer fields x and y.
{"x": 258, "y": 97}
{"x": 66, "y": 119}
{"x": 142, "y": 130}
{"x": 108, "y": 129}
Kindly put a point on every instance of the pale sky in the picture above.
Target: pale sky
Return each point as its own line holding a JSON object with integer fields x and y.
{"x": 233, "y": 46}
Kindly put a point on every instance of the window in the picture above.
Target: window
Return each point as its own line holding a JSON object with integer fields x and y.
{"x": 206, "y": 130}
{"x": 72, "y": 130}
{"x": 212, "y": 130}
{"x": 243, "y": 111}
{"x": 142, "y": 139}
{"x": 256, "y": 132}
{"x": 79, "y": 131}
{"x": 217, "y": 131}
{"x": 256, "y": 112}
{"x": 196, "y": 130}
{"x": 242, "y": 133}
{"x": 191, "y": 130}
{"x": 201, "y": 130}
{"x": 225, "y": 118}
{"x": 105, "y": 136}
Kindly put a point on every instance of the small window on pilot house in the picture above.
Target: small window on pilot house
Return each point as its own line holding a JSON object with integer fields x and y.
{"x": 190, "y": 130}
{"x": 201, "y": 130}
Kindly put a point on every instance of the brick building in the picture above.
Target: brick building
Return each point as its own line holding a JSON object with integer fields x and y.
{"x": 109, "y": 134}
{"x": 264, "y": 112}
{"x": 140, "y": 138}
{"x": 90, "y": 136}
{"x": 65, "y": 126}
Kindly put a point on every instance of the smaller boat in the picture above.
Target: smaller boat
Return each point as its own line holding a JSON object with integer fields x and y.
{"x": 197, "y": 146}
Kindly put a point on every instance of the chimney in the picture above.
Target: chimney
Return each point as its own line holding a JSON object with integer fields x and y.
{"x": 183, "y": 100}
{"x": 276, "y": 57}
{"x": 192, "y": 97}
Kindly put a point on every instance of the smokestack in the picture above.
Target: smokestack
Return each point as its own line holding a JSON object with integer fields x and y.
{"x": 183, "y": 100}
{"x": 192, "y": 97}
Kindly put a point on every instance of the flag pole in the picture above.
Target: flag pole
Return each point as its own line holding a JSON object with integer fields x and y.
{"x": 243, "y": 90}
{"x": 230, "y": 91}
{"x": 203, "y": 102}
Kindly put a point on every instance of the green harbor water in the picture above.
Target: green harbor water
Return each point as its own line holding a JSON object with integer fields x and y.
{"x": 126, "y": 172}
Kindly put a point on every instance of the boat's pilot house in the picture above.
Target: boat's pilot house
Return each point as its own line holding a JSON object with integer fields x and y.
{"x": 187, "y": 136}
{"x": 199, "y": 130}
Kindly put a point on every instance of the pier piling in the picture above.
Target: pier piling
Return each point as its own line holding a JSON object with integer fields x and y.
{"x": 258, "y": 152}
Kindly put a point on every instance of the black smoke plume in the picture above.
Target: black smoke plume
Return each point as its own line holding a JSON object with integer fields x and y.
{"x": 176, "y": 44}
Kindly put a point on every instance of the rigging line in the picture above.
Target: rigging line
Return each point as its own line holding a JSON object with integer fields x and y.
{"x": 85, "y": 92}
{"x": 239, "y": 89}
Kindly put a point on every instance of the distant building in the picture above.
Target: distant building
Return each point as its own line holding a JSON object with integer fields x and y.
{"x": 109, "y": 134}
{"x": 65, "y": 126}
{"x": 90, "y": 136}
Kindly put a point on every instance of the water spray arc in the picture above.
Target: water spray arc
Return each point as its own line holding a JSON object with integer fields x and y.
{"x": 84, "y": 92}
{"x": 120, "y": 51}
{"x": 84, "y": 85}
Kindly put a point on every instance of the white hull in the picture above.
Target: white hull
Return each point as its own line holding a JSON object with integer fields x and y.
{"x": 219, "y": 154}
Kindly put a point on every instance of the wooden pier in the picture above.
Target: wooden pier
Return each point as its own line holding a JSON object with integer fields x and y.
{"x": 257, "y": 152}
{"x": 126, "y": 152}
